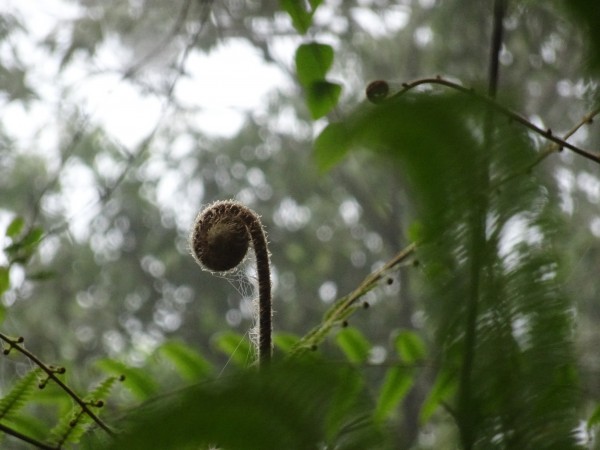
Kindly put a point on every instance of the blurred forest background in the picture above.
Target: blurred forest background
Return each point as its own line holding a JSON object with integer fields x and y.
{"x": 112, "y": 278}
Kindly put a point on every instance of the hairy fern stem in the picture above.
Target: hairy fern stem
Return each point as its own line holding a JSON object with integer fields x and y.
{"x": 219, "y": 241}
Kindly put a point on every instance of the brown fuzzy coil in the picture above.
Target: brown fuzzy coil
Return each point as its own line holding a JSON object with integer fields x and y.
{"x": 219, "y": 242}
{"x": 220, "y": 237}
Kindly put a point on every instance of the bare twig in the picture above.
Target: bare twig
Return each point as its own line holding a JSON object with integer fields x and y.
{"x": 23, "y": 437}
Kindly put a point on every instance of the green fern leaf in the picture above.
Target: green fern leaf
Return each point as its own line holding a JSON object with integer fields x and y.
{"x": 502, "y": 324}
{"x": 19, "y": 394}
{"x": 137, "y": 381}
{"x": 289, "y": 405}
{"x": 187, "y": 361}
{"x": 72, "y": 426}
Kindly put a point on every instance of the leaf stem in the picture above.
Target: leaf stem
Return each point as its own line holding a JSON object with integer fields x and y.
{"x": 467, "y": 409}
{"x": 23, "y": 437}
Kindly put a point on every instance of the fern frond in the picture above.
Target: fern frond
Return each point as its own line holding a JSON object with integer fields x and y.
{"x": 19, "y": 394}
{"x": 103, "y": 389}
{"x": 502, "y": 325}
{"x": 73, "y": 425}
{"x": 70, "y": 428}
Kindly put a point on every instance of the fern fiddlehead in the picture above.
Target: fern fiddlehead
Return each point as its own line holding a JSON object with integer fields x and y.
{"x": 219, "y": 241}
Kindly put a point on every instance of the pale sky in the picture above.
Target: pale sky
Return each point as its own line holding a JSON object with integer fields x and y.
{"x": 115, "y": 103}
{"x": 222, "y": 86}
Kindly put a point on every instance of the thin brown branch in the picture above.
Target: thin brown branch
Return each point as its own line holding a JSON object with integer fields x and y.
{"x": 551, "y": 147}
{"x": 497, "y": 35}
{"x": 25, "y": 438}
{"x": 51, "y": 373}
{"x": 547, "y": 134}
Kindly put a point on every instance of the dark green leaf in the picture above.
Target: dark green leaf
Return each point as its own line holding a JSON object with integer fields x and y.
{"x": 331, "y": 145}
{"x": 137, "y": 380}
{"x": 397, "y": 382}
{"x": 277, "y": 407}
{"x": 345, "y": 395}
{"x": 415, "y": 231}
{"x": 22, "y": 250}
{"x": 594, "y": 419}
{"x": 15, "y": 227}
{"x": 313, "y": 61}
{"x": 4, "y": 279}
{"x": 322, "y": 97}
{"x": 188, "y": 362}
{"x": 586, "y": 15}
{"x": 33, "y": 237}
{"x": 442, "y": 390}
{"x": 236, "y": 347}
{"x": 301, "y": 18}
{"x": 285, "y": 341}
{"x": 354, "y": 344}
{"x": 410, "y": 347}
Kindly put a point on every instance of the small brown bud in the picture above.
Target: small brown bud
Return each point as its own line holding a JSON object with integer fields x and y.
{"x": 377, "y": 91}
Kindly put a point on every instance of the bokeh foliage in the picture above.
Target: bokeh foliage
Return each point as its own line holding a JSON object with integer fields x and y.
{"x": 485, "y": 340}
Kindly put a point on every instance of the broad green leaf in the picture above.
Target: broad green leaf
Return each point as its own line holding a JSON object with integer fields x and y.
{"x": 322, "y": 97}
{"x": 331, "y": 146}
{"x": 594, "y": 419}
{"x": 415, "y": 231}
{"x": 4, "y": 279}
{"x": 137, "y": 380}
{"x": 33, "y": 237}
{"x": 15, "y": 227}
{"x": 188, "y": 362}
{"x": 354, "y": 344}
{"x": 410, "y": 347}
{"x": 345, "y": 394}
{"x": 285, "y": 341}
{"x": 397, "y": 382}
{"x": 443, "y": 388}
{"x": 313, "y": 61}
{"x": 281, "y": 406}
{"x": 23, "y": 249}
{"x": 236, "y": 347}
{"x": 301, "y": 18}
